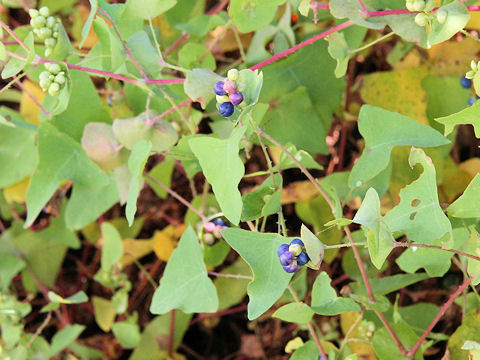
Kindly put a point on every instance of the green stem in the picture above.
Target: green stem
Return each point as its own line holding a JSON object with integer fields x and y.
{"x": 371, "y": 43}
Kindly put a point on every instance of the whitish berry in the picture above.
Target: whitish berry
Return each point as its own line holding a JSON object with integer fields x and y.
{"x": 295, "y": 249}
{"x": 53, "y": 68}
{"x": 222, "y": 99}
{"x": 419, "y": 5}
{"x": 53, "y": 89}
{"x": 442, "y": 16}
{"x": 44, "y": 11}
{"x": 50, "y": 42}
{"x": 33, "y": 13}
{"x": 226, "y": 109}
{"x": 233, "y": 74}
{"x": 421, "y": 19}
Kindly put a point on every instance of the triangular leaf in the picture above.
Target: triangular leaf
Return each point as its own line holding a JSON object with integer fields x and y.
{"x": 325, "y": 300}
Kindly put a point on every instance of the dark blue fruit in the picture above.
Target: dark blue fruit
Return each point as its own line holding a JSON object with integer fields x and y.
{"x": 218, "y": 88}
{"x": 281, "y": 249}
{"x": 219, "y": 221}
{"x": 302, "y": 259}
{"x": 290, "y": 268}
{"x": 297, "y": 241}
{"x": 466, "y": 83}
{"x": 226, "y": 109}
{"x": 286, "y": 258}
{"x": 471, "y": 101}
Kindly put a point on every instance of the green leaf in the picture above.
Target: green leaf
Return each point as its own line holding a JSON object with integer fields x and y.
{"x": 382, "y": 130}
{"x": 309, "y": 351}
{"x": 224, "y": 170}
{"x": 185, "y": 284}
{"x": 10, "y": 265}
{"x": 473, "y": 265}
{"x": 129, "y": 132}
{"x": 259, "y": 250}
{"x": 231, "y": 292}
{"x": 18, "y": 154}
{"x": 146, "y": 54}
{"x": 466, "y": 206}
{"x": 469, "y": 115}
{"x": 352, "y": 10}
{"x": 469, "y": 330}
{"x": 262, "y": 201}
{"x": 191, "y": 55}
{"x": 65, "y": 337}
{"x": 325, "y": 300}
{"x": 88, "y": 24}
{"x": 112, "y": 248}
{"x": 145, "y": 9}
{"x": 313, "y": 246}
{"x": 388, "y": 284}
{"x": 104, "y": 313}
{"x": 163, "y": 173}
{"x": 457, "y": 18}
{"x": 112, "y": 51}
{"x": 136, "y": 164}
{"x": 15, "y": 65}
{"x": 88, "y": 202}
{"x": 253, "y": 15}
{"x": 338, "y": 49}
{"x": 379, "y": 237}
{"x": 77, "y": 298}
{"x": 61, "y": 158}
{"x": 385, "y": 347}
{"x": 297, "y": 312}
{"x": 127, "y": 334}
{"x": 419, "y": 214}
{"x": 286, "y": 162}
{"x": 199, "y": 85}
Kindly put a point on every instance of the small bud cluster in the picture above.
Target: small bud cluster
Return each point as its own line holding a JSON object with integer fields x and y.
{"x": 213, "y": 230}
{"x": 228, "y": 95}
{"x": 53, "y": 79}
{"x": 292, "y": 256}
{"x": 466, "y": 81}
{"x": 45, "y": 27}
{"x": 425, "y": 17}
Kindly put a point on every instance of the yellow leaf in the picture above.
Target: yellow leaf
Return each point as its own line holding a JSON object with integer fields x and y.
{"x": 412, "y": 59}
{"x": 453, "y": 57}
{"x": 92, "y": 38}
{"x": 104, "y": 313}
{"x": 275, "y": 152}
{"x": 298, "y": 191}
{"x": 293, "y": 345}
{"x": 163, "y": 245}
{"x": 471, "y": 166}
{"x": 474, "y": 22}
{"x": 399, "y": 91}
{"x": 364, "y": 351}
{"x": 28, "y": 109}
{"x": 17, "y": 192}
{"x": 135, "y": 249}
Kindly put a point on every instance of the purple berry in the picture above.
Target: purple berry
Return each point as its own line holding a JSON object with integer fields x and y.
{"x": 297, "y": 241}
{"x": 281, "y": 249}
{"x": 218, "y": 221}
{"x": 302, "y": 259}
{"x": 471, "y": 101}
{"x": 230, "y": 87}
{"x": 286, "y": 258}
{"x": 291, "y": 268}
{"x": 218, "y": 88}
{"x": 236, "y": 98}
{"x": 209, "y": 227}
{"x": 226, "y": 109}
{"x": 466, "y": 83}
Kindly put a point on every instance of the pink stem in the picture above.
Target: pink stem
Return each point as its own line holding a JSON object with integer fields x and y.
{"x": 439, "y": 315}
{"x": 169, "y": 111}
{"x": 20, "y": 85}
{"x": 310, "y": 41}
{"x": 12, "y": 34}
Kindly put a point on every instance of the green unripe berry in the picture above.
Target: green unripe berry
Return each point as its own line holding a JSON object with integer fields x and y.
{"x": 44, "y": 84}
{"x": 55, "y": 34}
{"x": 233, "y": 74}
{"x": 222, "y": 98}
{"x": 470, "y": 74}
{"x": 208, "y": 239}
{"x": 51, "y": 22}
{"x": 473, "y": 65}
{"x": 44, "y": 11}
{"x": 419, "y": 5}
{"x": 409, "y": 5}
{"x": 295, "y": 249}
{"x": 38, "y": 22}
{"x": 421, "y": 19}
{"x": 44, "y": 75}
{"x": 430, "y": 4}
{"x": 53, "y": 68}
{"x": 442, "y": 16}
{"x": 60, "y": 79}
{"x": 50, "y": 42}
{"x": 45, "y": 33}
{"x": 53, "y": 89}
{"x": 33, "y": 13}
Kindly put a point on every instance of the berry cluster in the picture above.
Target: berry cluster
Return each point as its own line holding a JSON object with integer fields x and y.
{"x": 53, "y": 79}
{"x": 466, "y": 81}
{"x": 45, "y": 28}
{"x": 227, "y": 94}
{"x": 212, "y": 230}
{"x": 292, "y": 256}
{"x": 425, "y": 17}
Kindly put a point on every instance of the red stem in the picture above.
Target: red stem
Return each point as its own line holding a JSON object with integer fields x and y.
{"x": 458, "y": 252}
{"x": 171, "y": 335}
{"x": 230, "y": 311}
{"x": 439, "y": 315}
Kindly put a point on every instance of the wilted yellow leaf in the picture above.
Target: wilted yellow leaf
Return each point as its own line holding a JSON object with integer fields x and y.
{"x": 453, "y": 57}
{"x": 364, "y": 351}
{"x": 474, "y": 22}
{"x": 28, "y": 109}
{"x": 135, "y": 249}
{"x": 92, "y": 38}
{"x": 104, "y": 313}
{"x": 399, "y": 91}
{"x": 17, "y": 192}
{"x": 163, "y": 245}
{"x": 471, "y": 166}
{"x": 298, "y": 191}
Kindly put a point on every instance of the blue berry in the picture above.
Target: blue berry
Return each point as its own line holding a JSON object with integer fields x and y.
{"x": 466, "y": 83}
{"x": 226, "y": 109}
{"x": 286, "y": 258}
{"x": 218, "y": 88}
{"x": 297, "y": 241}
{"x": 281, "y": 249}
{"x": 302, "y": 259}
{"x": 471, "y": 101}
{"x": 218, "y": 221}
{"x": 320, "y": 357}
{"x": 236, "y": 98}
{"x": 291, "y": 268}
